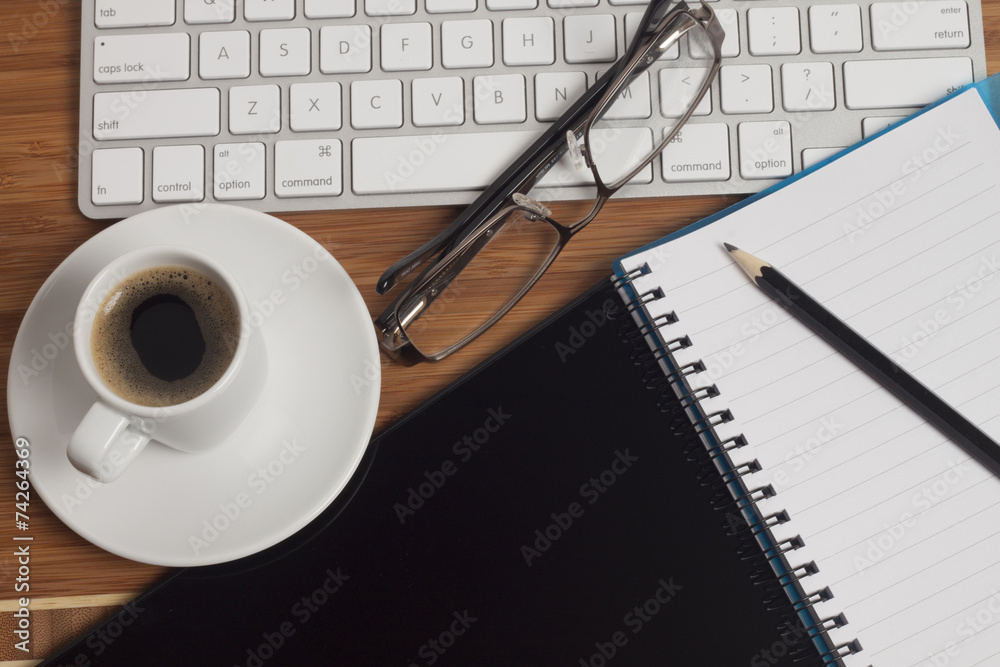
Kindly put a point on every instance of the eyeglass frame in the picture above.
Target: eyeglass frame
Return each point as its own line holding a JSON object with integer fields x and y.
{"x": 493, "y": 206}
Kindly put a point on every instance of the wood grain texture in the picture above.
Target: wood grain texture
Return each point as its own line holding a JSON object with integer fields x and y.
{"x": 40, "y": 226}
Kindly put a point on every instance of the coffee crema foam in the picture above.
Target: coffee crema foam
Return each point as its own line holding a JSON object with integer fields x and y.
{"x": 117, "y": 360}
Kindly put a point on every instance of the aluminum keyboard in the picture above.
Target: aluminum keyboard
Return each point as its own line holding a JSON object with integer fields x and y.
{"x": 283, "y": 105}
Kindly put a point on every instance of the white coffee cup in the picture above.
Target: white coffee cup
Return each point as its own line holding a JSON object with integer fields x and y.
{"x": 115, "y": 430}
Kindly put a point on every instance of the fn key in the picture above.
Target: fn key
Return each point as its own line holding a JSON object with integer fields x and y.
{"x": 116, "y": 176}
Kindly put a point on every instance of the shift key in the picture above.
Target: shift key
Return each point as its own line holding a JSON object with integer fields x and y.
{"x": 151, "y": 114}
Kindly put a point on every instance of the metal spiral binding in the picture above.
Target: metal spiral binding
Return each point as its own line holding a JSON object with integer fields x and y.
{"x": 654, "y": 348}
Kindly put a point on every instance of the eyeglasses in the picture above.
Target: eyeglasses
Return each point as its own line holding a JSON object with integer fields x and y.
{"x": 486, "y": 260}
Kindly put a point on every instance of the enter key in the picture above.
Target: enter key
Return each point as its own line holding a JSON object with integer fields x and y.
{"x": 940, "y": 24}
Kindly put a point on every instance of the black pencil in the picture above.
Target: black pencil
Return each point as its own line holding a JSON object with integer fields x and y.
{"x": 855, "y": 347}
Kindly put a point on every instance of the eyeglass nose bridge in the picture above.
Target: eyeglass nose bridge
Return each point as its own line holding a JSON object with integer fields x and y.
{"x": 575, "y": 151}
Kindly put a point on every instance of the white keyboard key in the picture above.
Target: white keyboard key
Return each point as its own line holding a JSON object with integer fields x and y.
{"x": 506, "y": 5}
{"x": 870, "y": 126}
{"x": 131, "y": 14}
{"x": 813, "y": 156}
{"x": 224, "y": 55}
{"x": 178, "y": 173}
{"x": 238, "y": 171}
{"x": 268, "y": 10}
{"x": 315, "y": 106}
{"x": 390, "y": 7}
{"x": 132, "y": 58}
{"x": 285, "y": 52}
{"x": 746, "y": 89}
{"x": 835, "y": 28}
{"x": 773, "y": 31}
{"x": 879, "y": 84}
{"x": 467, "y": 44}
{"x": 433, "y": 163}
{"x": 571, "y": 4}
{"x": 937, "y": 24}
{"x": 677, "y": 89}
{"x": 556, "y": 91}
{"x": 438, "y": 101}
{"x": 529, "y": 41}
{"x": 330, "y": 9}
{"x": 499, "y": 98}
{"x": 589, "y": 38}
{"x": 807, "y": 87}
{"x": 406, "y": 47}
{"x": 376, "y": 104}
{"x": 209, "y": 11}
{"x": 634, "y": 100}
{"x": 116, "y": 176}
{"x": 699, "y": 152}
{"x": 149, "y": 114}
{"x": 730, "y": 22}
{"x": 345, "y": 49}
{"x": 308, "y": 168}
{"x": 765, "y": 149}
{"x": 628, "y": 2}
{"x": 254, "y": 109}
{"x": 450, "y": 6}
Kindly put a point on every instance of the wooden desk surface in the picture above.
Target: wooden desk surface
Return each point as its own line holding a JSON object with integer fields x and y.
{"x": 73, "y": 583}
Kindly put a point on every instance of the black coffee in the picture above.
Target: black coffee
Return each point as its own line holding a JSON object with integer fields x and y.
{"x": 163, "y": 336}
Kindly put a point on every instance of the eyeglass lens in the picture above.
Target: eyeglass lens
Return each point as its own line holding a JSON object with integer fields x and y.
{"x": 504, "y": 259}
{"x": 509, "y": 255}
{"x": 631, "y": 129}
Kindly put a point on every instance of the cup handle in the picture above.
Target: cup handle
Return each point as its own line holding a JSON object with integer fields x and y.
{"x": 104, "y": 443}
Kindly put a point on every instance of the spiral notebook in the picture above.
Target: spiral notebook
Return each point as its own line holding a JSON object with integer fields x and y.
{"x": 885, "y": 535}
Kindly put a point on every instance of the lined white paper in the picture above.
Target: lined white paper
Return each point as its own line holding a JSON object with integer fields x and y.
{"x": 901, "y": 239}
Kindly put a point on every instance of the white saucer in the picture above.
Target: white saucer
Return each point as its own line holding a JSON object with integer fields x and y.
{"x": 281, "y": 468}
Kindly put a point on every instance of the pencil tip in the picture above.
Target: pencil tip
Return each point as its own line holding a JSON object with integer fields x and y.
{"x": 730, "y": 247}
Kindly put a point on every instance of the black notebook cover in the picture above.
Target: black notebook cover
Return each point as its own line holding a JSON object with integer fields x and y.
{"x": 540, "y": 511}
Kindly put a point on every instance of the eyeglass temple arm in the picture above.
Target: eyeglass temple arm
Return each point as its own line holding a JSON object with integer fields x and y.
{"x": 523, "y": 172}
